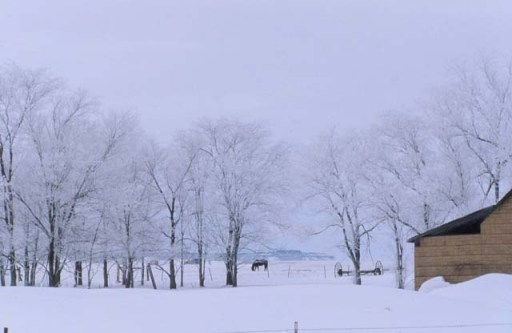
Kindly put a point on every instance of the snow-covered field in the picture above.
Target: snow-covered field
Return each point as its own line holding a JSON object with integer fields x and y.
{"x": 292, "y": 291}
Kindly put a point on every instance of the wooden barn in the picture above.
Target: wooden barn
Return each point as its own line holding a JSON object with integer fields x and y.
{"x": 476, "y": 244}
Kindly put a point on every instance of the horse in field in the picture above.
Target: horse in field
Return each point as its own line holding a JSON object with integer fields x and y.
{"x": 259, "y": 262}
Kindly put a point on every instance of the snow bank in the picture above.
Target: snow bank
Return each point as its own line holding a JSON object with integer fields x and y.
{"x": 316, "y": 306}
{"x": 432, "y": 284}
{"x": 490, "y": 290}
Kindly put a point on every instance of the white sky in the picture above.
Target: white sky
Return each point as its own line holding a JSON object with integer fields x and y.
{"x": 300, "y": 65}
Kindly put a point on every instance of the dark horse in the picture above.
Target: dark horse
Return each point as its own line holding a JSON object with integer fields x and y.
{"x": 259, "y": 262}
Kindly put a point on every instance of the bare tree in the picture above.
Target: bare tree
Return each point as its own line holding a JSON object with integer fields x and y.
{"x": 198, "y": 185}
{"x": 249, "y": 173}
{"x": 336, "y": 171}
{"x": 409, "y": 154}
{"x": 21, "y": 92}
{"x": 69, "y": 150}
{"x": 130, "y": 212}
{"x": 167, "y": 171}
{"x": 391, "y": 208}
{"x": 476, "y": 109}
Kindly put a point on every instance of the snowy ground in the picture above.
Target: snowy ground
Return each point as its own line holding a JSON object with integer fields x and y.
{"x": 293, "y": 291}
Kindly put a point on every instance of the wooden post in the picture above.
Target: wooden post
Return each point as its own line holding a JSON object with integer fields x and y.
{"x": 325, "y": 273}
{"x": 142, "y": 269}
{"x": 150, "y": 273}
{"x": 296, "y": 327}
{"x": 289, "y": 267}
{"x": 6, "y": 330}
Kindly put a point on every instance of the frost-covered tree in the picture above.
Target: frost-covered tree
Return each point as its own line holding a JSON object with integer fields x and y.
{"x": 249, "y": 172}
{"x": 167, "y": 169}
{"x": 199, "y": 186}
{"x": 337, "y": 179}
{"x": 69, "y": 147}
{"x": 408, "y": 153}
{"x": 475, "y": 112}
{"x": 130, "y": 215}
{"x": 21, "y": 93}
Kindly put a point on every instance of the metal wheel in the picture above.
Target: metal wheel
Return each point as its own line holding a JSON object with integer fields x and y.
{"x": 379, "y": 269}
{"x": 338, "y": 270}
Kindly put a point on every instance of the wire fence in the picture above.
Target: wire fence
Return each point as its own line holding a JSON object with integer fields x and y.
{"x": 366, "y": 329}
{"x": 375, "y": 328}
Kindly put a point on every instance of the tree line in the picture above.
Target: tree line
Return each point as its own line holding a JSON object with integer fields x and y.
{"x": 420, "y": 166}
{"x": 82, "y": 186}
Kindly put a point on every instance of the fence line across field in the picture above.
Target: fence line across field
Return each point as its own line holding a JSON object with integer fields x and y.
{"x": 295, "y": 329}
{"x": 384, "y": 328}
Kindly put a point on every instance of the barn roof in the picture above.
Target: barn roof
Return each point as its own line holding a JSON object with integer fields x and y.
{"x": 465, "y": 222}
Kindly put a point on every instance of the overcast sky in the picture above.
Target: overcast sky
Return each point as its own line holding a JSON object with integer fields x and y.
{"x": 302, "y": 66}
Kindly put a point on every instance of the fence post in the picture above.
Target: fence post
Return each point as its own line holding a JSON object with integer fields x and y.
{"x": 150, "y": 273}
{"x": 6, "y": 330}
{"x": 296, "y": 327}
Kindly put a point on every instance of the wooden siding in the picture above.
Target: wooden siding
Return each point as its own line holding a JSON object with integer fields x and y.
{"x": 460, "y": 258}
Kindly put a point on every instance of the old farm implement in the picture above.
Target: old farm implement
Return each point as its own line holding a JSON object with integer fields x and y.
{"x": 378, "y": 270}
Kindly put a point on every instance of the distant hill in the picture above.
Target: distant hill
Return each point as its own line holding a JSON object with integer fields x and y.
{"x": 285, "y": 255}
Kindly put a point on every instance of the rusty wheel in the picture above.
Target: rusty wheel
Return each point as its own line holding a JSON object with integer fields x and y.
{"x": 379, "y": 269}
{"x": 338, "y": 270}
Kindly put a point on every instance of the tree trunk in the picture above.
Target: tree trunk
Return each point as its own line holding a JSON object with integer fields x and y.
{"x": 172, "y": 274}
{"x": 202, "y": 263}
{"x": 229, "y": 273}
{"x": 129, "y": 274}
{"x": 497, "y": 191}
{"x": 426, "y": 215}
{"x": 33, "y": 270}
{"x": 51, "y": 264}
{"x": 229, "y": 255}
{"x": 236, "y": 245}
{"x": 123, "y": 270}
{"x": 33, "y": 267}
{"x": 12, "y": 265}
{"x": 399, "y": 265}
{"x": 105, "y": 273}
{"x": 26, "y": 267}
{"x": 172, "y": 269}
{"x": 229, "y": 266}
{"x": 356, "y": 261}
{"x": 231, "y": 269}
{"x": 2, "y": 273}
{"x": 235, "y": 271}
{"x": 78, "y": 273}
{"x": 150, "y": 274}
{"x": 399, "y": 255}
{"x": 357, "y": 274}
{"x": 202, "y": 267}
{"x": 54, "y": 268}
{"x": 182, "y": 253}
{"x": 89, "y": 273}
{"x": 58, "y": 269}
{"x": 142, "y": 272}
{"x": 9, "y": 219}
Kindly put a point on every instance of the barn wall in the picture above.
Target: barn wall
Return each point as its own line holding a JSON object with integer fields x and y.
{"x": 462, "y": 257}
{"x": 496, "y": 233}
{"x": 456, "y": 258}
